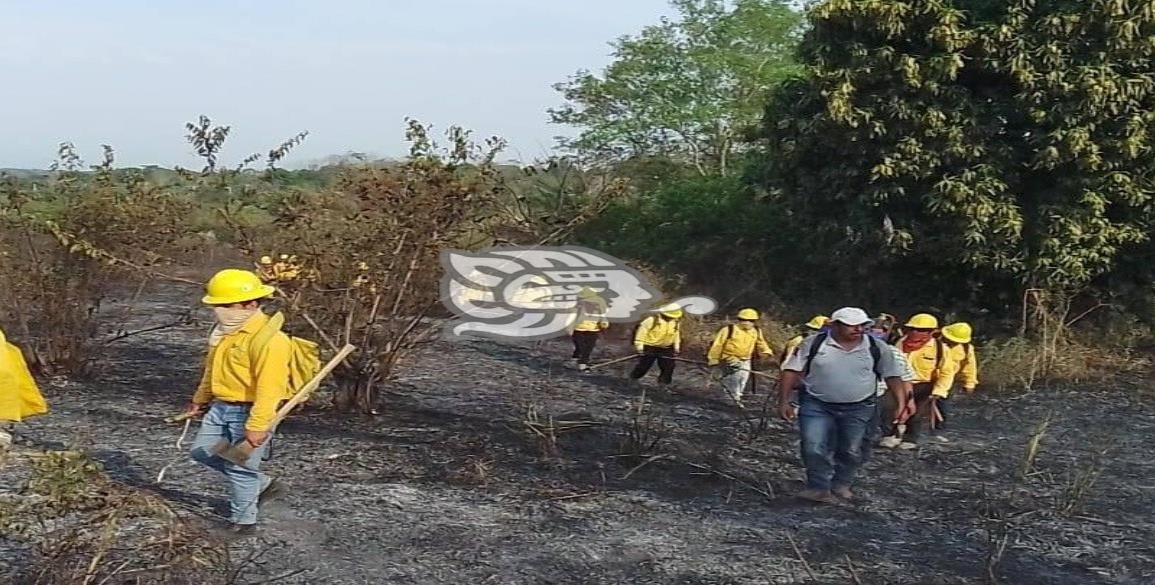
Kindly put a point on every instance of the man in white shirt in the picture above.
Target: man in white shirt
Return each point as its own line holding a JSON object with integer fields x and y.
{"x": 838, "y": 403}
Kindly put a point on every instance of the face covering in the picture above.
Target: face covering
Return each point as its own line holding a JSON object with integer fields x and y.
{"x": 915, "y": 340}
{"x": 229, "y": 321}
{"x": 745, "y": 325}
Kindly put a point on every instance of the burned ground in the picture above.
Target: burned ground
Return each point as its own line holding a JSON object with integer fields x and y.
{"x": 459, "y": 479}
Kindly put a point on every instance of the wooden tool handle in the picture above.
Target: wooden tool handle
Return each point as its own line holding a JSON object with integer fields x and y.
{"x": 303, "y": 394}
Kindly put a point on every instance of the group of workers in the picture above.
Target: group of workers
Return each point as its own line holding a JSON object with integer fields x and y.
{"x": 851, "y": 381}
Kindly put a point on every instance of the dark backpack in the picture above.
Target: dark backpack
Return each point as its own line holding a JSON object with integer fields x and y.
{"x": 875, "y": 354}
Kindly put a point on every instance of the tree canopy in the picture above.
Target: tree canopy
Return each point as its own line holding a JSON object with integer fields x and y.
{"x": 687, "y": 88}
{"x": 1011, "y": 138}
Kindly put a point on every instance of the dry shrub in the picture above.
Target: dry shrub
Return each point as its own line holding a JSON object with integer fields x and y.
{"x": 1048, "y": 350}
{"x": 83, "y": 528}
{"x": 366, "y": 255}
{"x": 66, "y": 244}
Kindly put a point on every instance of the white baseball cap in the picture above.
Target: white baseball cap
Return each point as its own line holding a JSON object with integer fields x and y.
{"x": 851, "y": 316}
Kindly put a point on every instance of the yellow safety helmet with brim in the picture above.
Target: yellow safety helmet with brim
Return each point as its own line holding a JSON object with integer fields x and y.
{"x": 818, "y": 322}
{"x": 671, "y": 310}
{"x": 958, "y": 332}
{"x": 232, "y": 286}
{"x": 748, "y": 315}
{"x": 922, "y": 321}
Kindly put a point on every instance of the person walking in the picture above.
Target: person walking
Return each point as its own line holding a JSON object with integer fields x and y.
{"x": 814, "y": 325}
{"x": 883, "y": 330}
{"x": 658, "y": 339}
{"x": 934, "y": 373}
{"x": 839, "y": 372}
{"x": 240, "y": 390}
{"x": 734, "y": 347}
{"x": 958, "y": 338}
{"x": 589, "y": 325}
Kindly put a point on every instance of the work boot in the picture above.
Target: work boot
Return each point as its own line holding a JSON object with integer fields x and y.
{"x": 940, "y": 439}
{"x": 907, "y": 445}
{"x": 843, "y": 492}
{"x": 243, "y": 529}
{"x": 817, "y": 496}
{"x": 583, "y": 367}
{"x": 890, "y": 442}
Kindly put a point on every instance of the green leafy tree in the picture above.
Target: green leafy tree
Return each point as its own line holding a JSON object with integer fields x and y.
{"x": 1010, "y": 138}
{"x": 688, "y": 88}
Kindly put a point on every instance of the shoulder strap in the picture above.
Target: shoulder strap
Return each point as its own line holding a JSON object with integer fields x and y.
{"x": 814, "y": 347}
{"x": 729, "y": 332}
{"x": 262, "y": 337}
{"x": 875, "y": 356}
{"x": 939, "y": 349}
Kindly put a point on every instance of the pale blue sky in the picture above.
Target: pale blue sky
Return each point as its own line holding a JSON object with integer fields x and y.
{"x": 130, "y": 73}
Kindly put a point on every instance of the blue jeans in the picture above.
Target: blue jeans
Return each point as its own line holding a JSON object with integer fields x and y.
{"x": 833, "y": 440}
{"x": 227, "y": 422}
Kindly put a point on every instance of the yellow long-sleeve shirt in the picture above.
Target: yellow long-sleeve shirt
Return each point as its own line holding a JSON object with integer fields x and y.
{"x": 967, "y": 364}
{"x": 233, "y": 374}
{"x": 658, "y": 332}
{"x": 735, "y": 343}
{"x": 929, "y": 367}
{"x": 591, "y": 321}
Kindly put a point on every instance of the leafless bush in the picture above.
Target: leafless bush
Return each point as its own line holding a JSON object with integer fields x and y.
{"x": 1080, "y": 484}
{"x": 366, "y": 254}
{"x": 67, "y": 242}
{"x": 645, "y": 432}
{"x": 1033, "y": 448}
{"x": 546, "y": 429}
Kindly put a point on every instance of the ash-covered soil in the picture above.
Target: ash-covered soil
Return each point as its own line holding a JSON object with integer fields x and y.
{"x": 451, "y": 485}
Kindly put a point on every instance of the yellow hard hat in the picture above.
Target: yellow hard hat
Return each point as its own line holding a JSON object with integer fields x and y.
{"x": 818, "y": 322}
{"x": 922, "y": 321}
{"x": 266, "y": 260}
{"x": 748, "y": 315}
{"x": 671, "y": 310}
{"x": 235, "y": 286}
{"x": 958, "y": 332}
{"x": 587, "y": 293}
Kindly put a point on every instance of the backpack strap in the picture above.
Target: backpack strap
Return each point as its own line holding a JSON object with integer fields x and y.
{"x": 262, "y": 337}
{"x": 875, "y": 356}
{"x": 939, "y": 350}
{"x": 814, "y": 347}
{"x": 729, "y": 333}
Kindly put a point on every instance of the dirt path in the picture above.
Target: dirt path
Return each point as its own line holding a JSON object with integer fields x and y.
{"x": 449, "y": 486}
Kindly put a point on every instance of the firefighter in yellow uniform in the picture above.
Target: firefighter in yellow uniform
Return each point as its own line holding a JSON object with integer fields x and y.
{"x": 958, "y": 337}
{"x": 589, "y": 324}
{"x": 241, "y": 388}
{"x": 658, "y": 339}
{"x": 19, "y": 396}
{"x": 814, "y": 325}
{"x": 934, "y": 373}
{"x": 734, "y": 347}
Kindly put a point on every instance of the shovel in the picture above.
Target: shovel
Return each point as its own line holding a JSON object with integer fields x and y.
{"x": 615, "y": 361}
{"x": 239, "y": 454}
